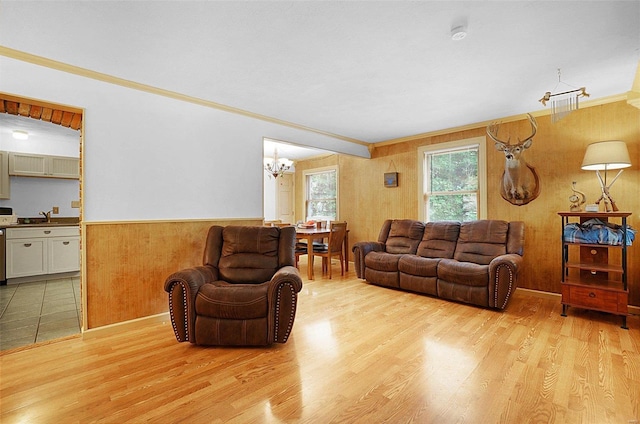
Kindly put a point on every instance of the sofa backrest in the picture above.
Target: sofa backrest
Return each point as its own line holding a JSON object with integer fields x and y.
{"x": 481, "y": 241}
{"x": 439, "y": 239}
{"x": 401, "y": 235}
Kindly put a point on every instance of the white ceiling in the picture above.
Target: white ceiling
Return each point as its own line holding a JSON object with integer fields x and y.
{"x": 35, "y": 128}
{"x": 370, "y": 71}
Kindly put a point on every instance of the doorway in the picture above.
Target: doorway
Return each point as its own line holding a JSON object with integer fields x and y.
{"x": 285, "y": 195}
{"x": 43, "y": 307}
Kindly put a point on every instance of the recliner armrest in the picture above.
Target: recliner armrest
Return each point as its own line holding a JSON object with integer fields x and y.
{"x": 283, "y": 300}
{"x": 289, "y": 274}
{"x": 360, "y": 250}
{"x": 503, "y": 279}
{"x": 182, "y": 287}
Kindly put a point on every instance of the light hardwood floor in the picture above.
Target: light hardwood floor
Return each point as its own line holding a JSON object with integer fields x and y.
{"x": 358, "y": 354}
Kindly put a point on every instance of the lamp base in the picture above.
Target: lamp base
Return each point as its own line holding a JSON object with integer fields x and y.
{"x": 605, "y": 196}
{"x": 607, "y": 201}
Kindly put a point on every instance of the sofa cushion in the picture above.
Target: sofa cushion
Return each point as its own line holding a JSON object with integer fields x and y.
{"x": 464, "y": 273}
{"x": 481, "y": 241}
{"x": 232, "y": 301}
{"x": 404, "y": 236}
{"x": 382, "y": 261}
{"x": 419, "y": 266}
{"x": 439, "y": 240}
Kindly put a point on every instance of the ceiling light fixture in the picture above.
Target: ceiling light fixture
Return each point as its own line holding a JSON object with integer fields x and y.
{"x": 20, "y": 134}
{"x": 276, "y": 166}
{"x": 458, "y": 33}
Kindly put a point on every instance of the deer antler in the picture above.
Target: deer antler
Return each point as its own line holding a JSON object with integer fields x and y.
{"x": 492, "y": 131}
{"x": 534, "y": 127}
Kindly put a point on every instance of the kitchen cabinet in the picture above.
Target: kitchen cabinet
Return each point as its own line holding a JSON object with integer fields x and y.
{"x": 42, "y": 250}
{"x": 4, "y": 175}
{"x": 593, "y": 277}
{"x": 32, "y": 165}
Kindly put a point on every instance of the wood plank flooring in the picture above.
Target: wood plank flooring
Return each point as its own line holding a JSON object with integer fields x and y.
{"x": 358, "y": 354}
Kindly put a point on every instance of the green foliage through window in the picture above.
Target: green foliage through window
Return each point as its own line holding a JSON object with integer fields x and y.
{"x": 451, "y": 185}
{"x": 322, "y": 195}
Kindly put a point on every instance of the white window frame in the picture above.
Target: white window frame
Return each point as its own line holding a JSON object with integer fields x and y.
{"x": 480, "y": 142}
{"x": 321, "y": 170}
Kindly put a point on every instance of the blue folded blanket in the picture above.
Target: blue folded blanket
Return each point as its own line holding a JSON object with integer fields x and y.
{"x": 595, "y": 231}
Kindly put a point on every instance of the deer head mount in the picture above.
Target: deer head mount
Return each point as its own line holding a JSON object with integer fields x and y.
{"x": 520, "y": 184}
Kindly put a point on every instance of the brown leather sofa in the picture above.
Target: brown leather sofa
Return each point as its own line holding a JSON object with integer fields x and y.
{"x": 472, "y": 262}
{"x": 244, "y": 294}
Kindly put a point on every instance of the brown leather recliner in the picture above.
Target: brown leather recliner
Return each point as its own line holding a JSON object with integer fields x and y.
{"x": 244, "y": 294}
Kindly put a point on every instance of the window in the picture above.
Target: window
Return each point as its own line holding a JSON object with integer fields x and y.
{"x": 321, "y": 194}
{"x": 453, "y": 181}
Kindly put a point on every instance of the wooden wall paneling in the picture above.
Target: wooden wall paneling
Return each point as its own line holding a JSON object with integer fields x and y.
{"x": 556, "y": 154}
{"x": 127, "y": 263}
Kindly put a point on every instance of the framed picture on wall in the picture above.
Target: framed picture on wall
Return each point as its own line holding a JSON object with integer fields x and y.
{"x": 391, "y": 179}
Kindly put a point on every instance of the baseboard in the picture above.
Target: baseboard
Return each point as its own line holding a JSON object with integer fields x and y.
{"x": 119, "y": 327}
{"x": 43, "y": 277}
{"x": 633, "y": 310}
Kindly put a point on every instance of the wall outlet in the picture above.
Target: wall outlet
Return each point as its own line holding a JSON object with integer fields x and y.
{"x": 75, "y": 204}
{"x": 55, "y": 210}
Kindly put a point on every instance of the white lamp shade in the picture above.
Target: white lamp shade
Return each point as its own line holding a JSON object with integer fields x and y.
{"x": 605, "y": 155}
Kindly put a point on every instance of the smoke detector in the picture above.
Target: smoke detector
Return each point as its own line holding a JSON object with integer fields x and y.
{"x": 458, "y": 32}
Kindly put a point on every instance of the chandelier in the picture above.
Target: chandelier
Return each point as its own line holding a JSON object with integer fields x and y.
{"x": 276, "y": 166}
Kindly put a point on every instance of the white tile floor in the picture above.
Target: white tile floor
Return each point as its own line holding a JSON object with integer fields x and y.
{"x": 39, "y": 311}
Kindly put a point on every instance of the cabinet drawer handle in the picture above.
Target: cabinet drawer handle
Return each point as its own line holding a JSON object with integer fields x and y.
{"x": 47, "y": 231}
{"x": 27, "y": 245}
{"x": 65, "y": 243}
{"x": 592, "y": 294}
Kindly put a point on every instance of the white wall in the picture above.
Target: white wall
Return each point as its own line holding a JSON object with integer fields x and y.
{"x": 31, "y": 195}
{"x": 270, "y": 193}
{"x": 148, "y": 156}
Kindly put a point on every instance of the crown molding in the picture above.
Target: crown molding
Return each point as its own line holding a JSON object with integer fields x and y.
{"x": 99, "y": 76}
{"x": 512, "y": 118}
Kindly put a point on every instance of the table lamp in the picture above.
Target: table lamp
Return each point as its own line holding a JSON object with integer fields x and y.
{"x": 604, "y": 156}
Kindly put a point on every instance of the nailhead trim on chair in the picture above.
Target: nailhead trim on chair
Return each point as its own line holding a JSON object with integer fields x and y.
{"x": 184, "y": 303}
{"x": 293, "y": 309}
{"x": 495, "y": 289}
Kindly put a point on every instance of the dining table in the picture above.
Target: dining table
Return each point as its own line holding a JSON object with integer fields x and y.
{"x": 314, "y": 233}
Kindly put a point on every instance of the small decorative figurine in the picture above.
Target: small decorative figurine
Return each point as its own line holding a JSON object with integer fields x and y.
{"x": 576, "y": 201}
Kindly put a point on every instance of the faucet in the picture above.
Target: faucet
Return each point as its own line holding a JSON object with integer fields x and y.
{"x": 47, "y": 215}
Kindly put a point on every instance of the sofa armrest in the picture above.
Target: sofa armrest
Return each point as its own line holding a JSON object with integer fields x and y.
{"x": 283, "y": 298}
{"x": 360, "y": 250}
{"x": 182, "y": 287}
{"x": 503, "y": 279}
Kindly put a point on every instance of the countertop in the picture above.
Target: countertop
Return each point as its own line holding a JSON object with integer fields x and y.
{"x": 41, "y": 222}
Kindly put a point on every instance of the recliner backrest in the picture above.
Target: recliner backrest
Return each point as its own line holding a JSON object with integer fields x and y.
{"x": 481, "y": 241}
{"x": 245, "y": 254}
{"x": 439, "y": 239}
{"x": 401, "y": 235}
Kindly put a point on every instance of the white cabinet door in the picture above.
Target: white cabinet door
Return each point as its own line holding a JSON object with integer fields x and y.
{"x": 31, "y": 165}
{"x": 42, "y": 250}
{"x": 4, "y": 175}
{"x": 27, "y": 164}
{"x": 26, "y": 257}
{"x": 63, "y": 167}
{"x": 64, "y": 254}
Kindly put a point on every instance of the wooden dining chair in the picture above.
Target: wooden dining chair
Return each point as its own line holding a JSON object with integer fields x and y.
{"x": 301, "y": 249}
{"x": 334, "y": 247}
